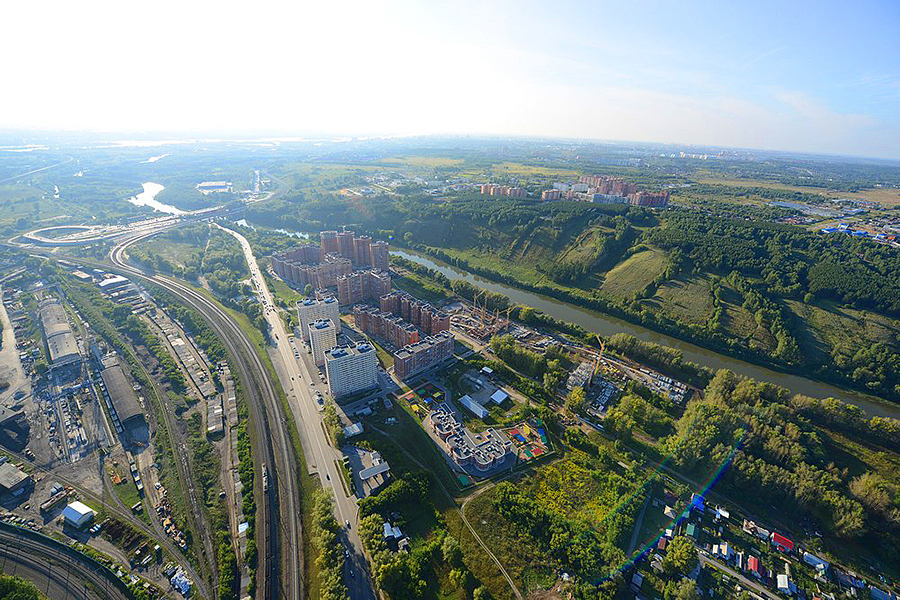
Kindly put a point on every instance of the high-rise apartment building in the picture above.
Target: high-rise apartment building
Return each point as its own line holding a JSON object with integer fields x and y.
{"x": 362, "y": 285}
{"x": 421, "y": 314}
{"x": 362, "y": 251}
{"x": 322, "y": 337}
{"x": 328, "y": 242}
{"x": 351, "y": 369}
{"x": 346, "y": 245}
{"x": 386, "y": 326}
{"x": 380, "y": 255}
{"x": 311, "y": 310}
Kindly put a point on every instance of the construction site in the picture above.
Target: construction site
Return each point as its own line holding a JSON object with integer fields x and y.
{"x": 477, "y": 321}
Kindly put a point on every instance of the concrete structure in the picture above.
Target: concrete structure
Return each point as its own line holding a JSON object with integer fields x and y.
{"x": 580, "y": 377}
{"x": 479, "y": 453}
{"x": 128, "y": 412}
{"x": 362, "y": 285}
{"x": 380, "y": 256}
{"x": 351, "y": 369}
{"x": 13, "y": 480}
{"x": 427, "y": 353}
{"x": 61, "y": 343}
{"x": 311, "y": 310}
{"x": 78, "y": 515}
{"x": 322, "y": 337}
{"x": 112, "y": 284}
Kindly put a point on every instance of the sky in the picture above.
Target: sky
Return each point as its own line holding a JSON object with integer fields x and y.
{"x": 807, "y": 76}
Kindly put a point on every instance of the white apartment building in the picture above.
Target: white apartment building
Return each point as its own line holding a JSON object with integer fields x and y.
{"x": 351, "y": 369}
{"x": 322, "y": 337}
{"x": 311, "y": 310}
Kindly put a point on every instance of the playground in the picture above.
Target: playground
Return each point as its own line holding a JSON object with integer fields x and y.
{"x": 530, "y": 439}
{"x": 422, "y": 398}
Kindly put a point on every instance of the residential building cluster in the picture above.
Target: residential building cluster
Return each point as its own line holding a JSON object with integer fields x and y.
{"x": 385, "y": 325}
{"x": 360, "y": 286}
{"x": 504, "y": 191}
{"x": 419, "y": 313}
{"x": 605, "y": 189}
{"x": 482, "y": 452}
{"x": 351, "y": 369}
{"x": 361, "y": 251}
{"x": 337, "y": 256}
{"x": 302, "y": 266}
{"x": 417, "y": 357}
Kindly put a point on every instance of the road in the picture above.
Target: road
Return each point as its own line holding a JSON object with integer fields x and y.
{"x": 278, "y": 521}
{"x": 745, "y": 581}
{"x": 57, "y": 572}
{"x": 36, "y": 170}
{"x": 319, "y": 451}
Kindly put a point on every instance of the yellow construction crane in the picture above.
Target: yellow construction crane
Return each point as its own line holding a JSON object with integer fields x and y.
{"x": 597, "y": 360}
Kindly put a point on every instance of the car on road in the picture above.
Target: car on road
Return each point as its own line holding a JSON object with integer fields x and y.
{"x": 347, "y": 523}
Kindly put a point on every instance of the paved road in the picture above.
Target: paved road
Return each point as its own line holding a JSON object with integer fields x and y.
{"x": 278, "y": 523}
{"x": 303, "y": 406}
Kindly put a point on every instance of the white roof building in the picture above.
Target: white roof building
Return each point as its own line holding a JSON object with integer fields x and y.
{"x": 78, "y": 515}
{"x": 322, "y": 337}
{"x": 499, "y": 397}
{"x": 475, "y": 408}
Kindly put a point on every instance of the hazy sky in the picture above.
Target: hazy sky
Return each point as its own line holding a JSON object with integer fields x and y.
{"x": 819, "y": 76}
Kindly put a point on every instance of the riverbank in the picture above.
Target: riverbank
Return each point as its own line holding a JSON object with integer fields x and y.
{"x": 608, "y": 325}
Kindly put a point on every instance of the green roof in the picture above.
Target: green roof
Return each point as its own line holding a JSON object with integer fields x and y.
{"x": 691, "y": 530}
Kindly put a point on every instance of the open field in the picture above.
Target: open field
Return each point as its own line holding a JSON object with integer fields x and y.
{"x": 423, "y": 161}
{"x": 826, "y": 327}
{"x": 888, "y": 197}
{"x": 634, "y": 273}
{"x": 686, "y": 298}
{"x": 514, "y": 168}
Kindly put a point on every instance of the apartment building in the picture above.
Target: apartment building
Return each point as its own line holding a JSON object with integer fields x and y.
{"x": 322, "y": 337}
{"x": 362, "y": 285}
{"x": 415, "y": 358}
{"x": 386, "y": 326}
{"x": 351, "y": 369}
{"x": 421, "y": 314}
{"x": 311, "y": 310}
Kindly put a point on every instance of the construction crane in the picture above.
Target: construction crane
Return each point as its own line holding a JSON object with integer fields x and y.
{"x": 599, "y": 357}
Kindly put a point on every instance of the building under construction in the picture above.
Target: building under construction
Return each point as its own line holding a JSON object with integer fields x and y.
{"x": 479, "y": 322}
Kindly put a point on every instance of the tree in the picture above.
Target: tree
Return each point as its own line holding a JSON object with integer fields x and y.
{"x": 308, "y": 289}
{"x": 681, "y": 556}
{"x": 576, "y": 400}
{"x": 481, "y": 593}
{"x": 683, "y": 589}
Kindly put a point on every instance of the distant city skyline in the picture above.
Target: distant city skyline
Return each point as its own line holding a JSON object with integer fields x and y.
{"x": 820, "y": 77}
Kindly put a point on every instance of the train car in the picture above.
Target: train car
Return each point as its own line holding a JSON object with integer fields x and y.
{"x": 265, "y": 478}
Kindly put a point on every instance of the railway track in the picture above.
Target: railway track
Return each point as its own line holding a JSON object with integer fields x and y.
{"x": 280, "y": 513}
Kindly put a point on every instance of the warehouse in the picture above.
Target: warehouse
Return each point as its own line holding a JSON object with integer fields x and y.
{"x": 78, "y": 515}
{"x": 129, "y": 415}
{"x": 12, "y": 480}
{"x": 61, "y": 344}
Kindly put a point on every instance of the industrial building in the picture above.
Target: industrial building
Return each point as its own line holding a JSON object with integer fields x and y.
{"x": 362, "y": 285}
{"x": 13, "y": 480}
{"x": 322, "y": 337}
{"x": 422, "y": 355}
{"x": 311, "y": 310}
{"x": 351, "y": 369}
{"x": 78, "y": 515}
{"x": 214, "y": 187}
{"x": 128, "y": 415}
{"x": 479, "y": 453}
{"x": 61, "y": 343}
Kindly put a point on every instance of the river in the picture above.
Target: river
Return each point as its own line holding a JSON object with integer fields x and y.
{"x": 607, "y": 325}
{"x": 148, "y": 198}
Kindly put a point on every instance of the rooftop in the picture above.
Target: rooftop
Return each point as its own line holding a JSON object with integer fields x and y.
{"x": 120, "y": 392}
{"x": 11, "y": 476}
